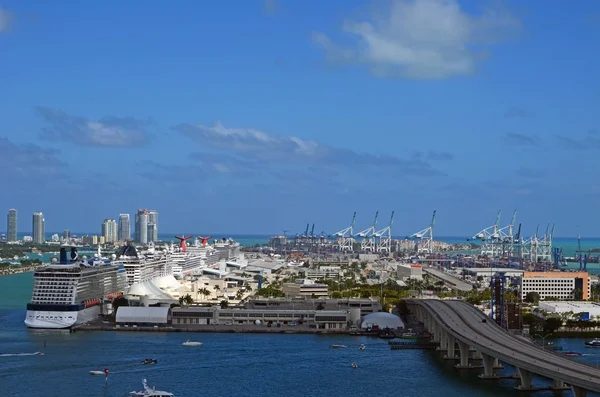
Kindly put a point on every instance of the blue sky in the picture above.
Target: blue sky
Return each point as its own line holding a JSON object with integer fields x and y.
{"x": 255, "y": 117}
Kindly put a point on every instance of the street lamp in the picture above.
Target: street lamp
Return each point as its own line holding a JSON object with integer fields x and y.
{"x": 543, "y": 339}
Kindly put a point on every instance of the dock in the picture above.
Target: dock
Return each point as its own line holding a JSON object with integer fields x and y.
{"x": 235, "y": 329}
{"x": 418, "y": 345}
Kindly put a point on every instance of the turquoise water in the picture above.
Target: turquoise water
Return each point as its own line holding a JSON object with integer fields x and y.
{"x": 226, "y": 365}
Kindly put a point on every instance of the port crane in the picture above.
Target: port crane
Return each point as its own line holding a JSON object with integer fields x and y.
{"x": 425, "y": 238}
{"x": 367, "y": 242}
{"x": 345, "y": 237}
{"x": 383, "y": 237}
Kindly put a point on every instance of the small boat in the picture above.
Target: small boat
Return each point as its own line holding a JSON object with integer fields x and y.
{"x": 149, "y": 392}
{"x": 96, "y": 372}
{"x": 593, "y": 343}
{"x": 149, "y": 361}
{"x": 336, "y": 346}
{"x": 572, "y": 353}
{"x": 191, "y": 343}
{"x": 354, "y": 365}
{"x": 38, "y": 354}
{"x": 409, "y": 335}
{"x": 362, "y": 347}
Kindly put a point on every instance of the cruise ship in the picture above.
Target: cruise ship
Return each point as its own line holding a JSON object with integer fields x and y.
{"x": 141, "y": 267}
{"x": 71, "y": 291}
{"x": 189, "y": 259}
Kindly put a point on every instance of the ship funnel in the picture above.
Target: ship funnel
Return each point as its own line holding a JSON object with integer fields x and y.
{"x": 73, "y": 253}
{"x": 63, "y": 255}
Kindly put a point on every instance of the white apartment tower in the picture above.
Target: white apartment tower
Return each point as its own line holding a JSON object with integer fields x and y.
{"x": 141, "y": 226}
{"x": 152, "y": 225}
{"x": 109, "y": 230}
{"x": 39, "y": 228}
{"x": 124, "y": 227}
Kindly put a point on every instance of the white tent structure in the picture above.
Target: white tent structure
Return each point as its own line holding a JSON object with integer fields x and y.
{"x": 383, "y": 320}
{"x": 142, "y": 315}
{"x": 151, "y": 290}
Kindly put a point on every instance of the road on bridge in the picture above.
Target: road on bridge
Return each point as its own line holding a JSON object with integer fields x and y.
{"x": 464, "y": 322}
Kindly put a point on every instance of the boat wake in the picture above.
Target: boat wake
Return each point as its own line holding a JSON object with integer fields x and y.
{"x": 21, "y": 354}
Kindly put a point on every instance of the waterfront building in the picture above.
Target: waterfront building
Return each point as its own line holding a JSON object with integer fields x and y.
{"x": 366, "y": 305}
{"x": 559, "y": 285}
{"x": 109, "y": 230}
{"x": 141, "y": 226}
{"x": 587, "y": 310}
{"x": 66, "y": 234}
{"x": 199, "y": 315}
{"x": 11, "y": 225}
{"x": 305, "y": 288}
{"x": 39, "y": 228}
{"x": 124, "y": 232}
{"x": 151, "y": 232}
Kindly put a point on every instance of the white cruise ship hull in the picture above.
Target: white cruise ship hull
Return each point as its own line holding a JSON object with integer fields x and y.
{"x": 41, "y": 319}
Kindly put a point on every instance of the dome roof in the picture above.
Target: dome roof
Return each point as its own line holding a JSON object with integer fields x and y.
{"x": 383, "y": 320}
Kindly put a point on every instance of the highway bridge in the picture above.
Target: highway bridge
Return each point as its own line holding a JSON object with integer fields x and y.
{"x": 455, "y": 322}
{"x": 449, "y": 279}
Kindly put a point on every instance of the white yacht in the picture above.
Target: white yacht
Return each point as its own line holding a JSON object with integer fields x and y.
{"x": 149, "y": 392}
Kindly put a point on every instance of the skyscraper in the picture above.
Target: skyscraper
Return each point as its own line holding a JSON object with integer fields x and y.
{"x": 141, "y": 226}
{"x": 152, "y": 230}
{"x": 109, "y": 230}
{"x": 124, "y": 227}
{"x": 39, "y": 228}
{"x": 11, "y": 225}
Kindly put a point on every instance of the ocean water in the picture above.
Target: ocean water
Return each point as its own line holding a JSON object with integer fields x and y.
{"x": 226, "y": 365}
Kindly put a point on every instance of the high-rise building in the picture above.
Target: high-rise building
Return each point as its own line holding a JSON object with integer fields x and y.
{"x": 141, "y": 226}
{"x": 66, "y": 234}
{"x": 124, "y": 227}
{"x": 109, "y": 230}
{"x": 153, "y": 220}
{"x": 11, "y": 225}
{"x": 39, "y": 228}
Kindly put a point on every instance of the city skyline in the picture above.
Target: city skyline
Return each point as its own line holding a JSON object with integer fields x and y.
{"x": 302, "y": 112}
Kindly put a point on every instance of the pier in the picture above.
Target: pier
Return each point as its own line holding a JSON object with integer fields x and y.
{"x": 417, "y": 345}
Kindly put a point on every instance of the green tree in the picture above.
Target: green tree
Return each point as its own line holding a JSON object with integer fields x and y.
{"x": 552, "y": 324}
{"x": 532, "y": 297}
{"x": 224, "y": 304}
{"x": 535, "y": 323}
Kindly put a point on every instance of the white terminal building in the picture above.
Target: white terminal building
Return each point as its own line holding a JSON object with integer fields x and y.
{"x": 574, "y": 307}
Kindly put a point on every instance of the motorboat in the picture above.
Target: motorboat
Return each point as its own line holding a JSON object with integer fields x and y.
{"x": 337, "y": 346}
{"x": 96, "y": 372}
{"x": 362, "y": 347}
{"x": 38, "y": 354}
{"x": 572, "y": 353}
{"x": 191, "y": 343}
{"x": 409, "y": 335}
{"x": 593, "y": 343}
{"x": 149, "y": 361}
{"x": 149, "y": 392}
{"x": 354, "y": 365}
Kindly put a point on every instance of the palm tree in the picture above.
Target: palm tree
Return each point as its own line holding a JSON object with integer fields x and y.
{"x": 186, "y": 299}
{"x": 247, "y": 287}
{"x": 239, "y": 295}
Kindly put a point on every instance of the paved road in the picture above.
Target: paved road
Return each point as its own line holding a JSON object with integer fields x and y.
{"x": 464, "y": 322}
{"x": 455, "y": 282}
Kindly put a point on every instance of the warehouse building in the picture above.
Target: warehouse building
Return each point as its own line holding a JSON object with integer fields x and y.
{"x": 142, "y": 316}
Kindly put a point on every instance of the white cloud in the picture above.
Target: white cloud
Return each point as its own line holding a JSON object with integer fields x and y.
{"x": 256, "y": 147}
{"x": 5, "y": 20}
{"x": 106, "y": 132}
{"x": 427, "y": 39}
